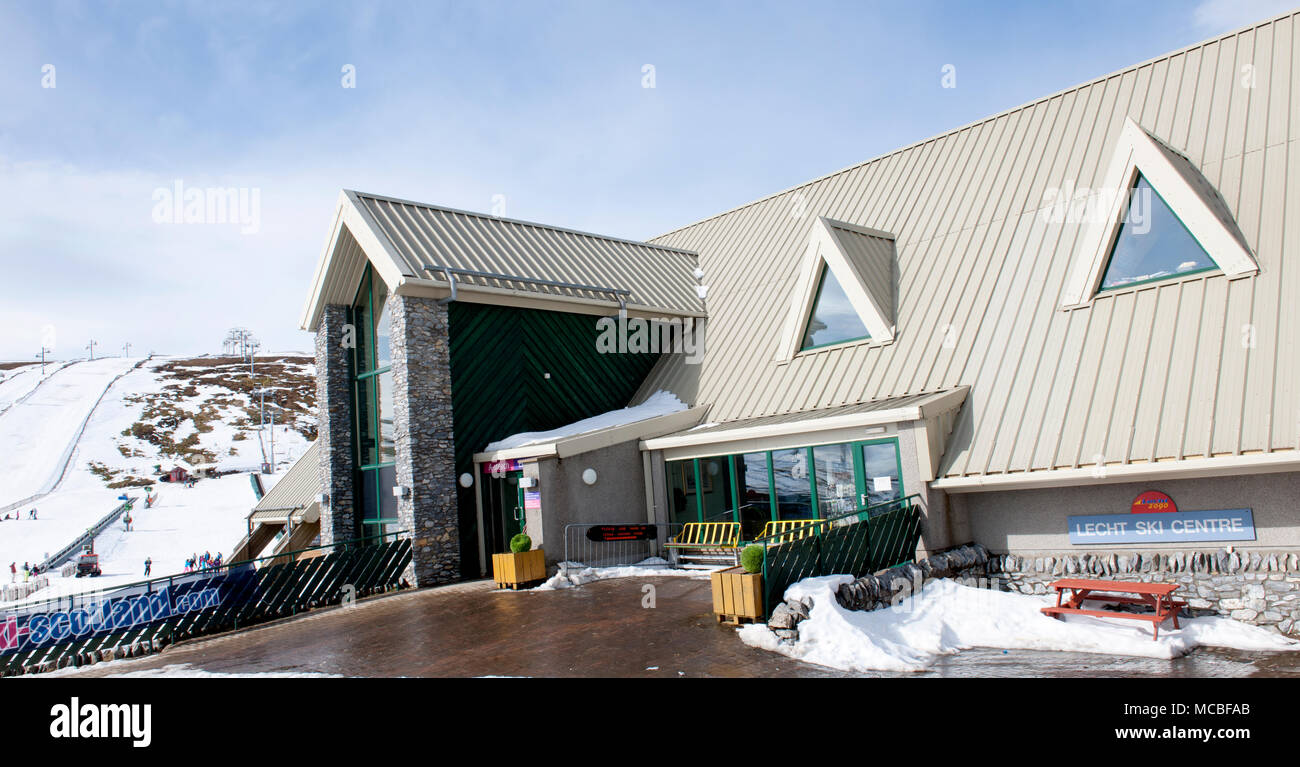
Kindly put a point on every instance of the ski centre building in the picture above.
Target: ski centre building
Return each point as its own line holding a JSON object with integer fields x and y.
{"x": 1042, "y": 327}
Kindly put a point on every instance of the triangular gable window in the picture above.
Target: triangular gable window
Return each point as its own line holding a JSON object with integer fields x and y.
{"x": 844, "y": 290}
{"x": 1183, "y": 228}
{"x": 1152, "y": 244}
{"x": 833, "y": 318}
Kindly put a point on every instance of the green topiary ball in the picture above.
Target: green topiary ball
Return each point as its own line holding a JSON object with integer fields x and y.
{"x": 521, "y": 543}
{"x": 752, "y": 559}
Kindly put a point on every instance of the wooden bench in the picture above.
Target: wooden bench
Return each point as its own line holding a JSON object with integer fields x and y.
{"x": 1158, "y": 596}
{"x": 787, "y": 530}
{"x": 707, "y": 542}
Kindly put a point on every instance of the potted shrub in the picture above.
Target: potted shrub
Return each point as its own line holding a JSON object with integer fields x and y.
{"x": 522, "y": 566}
{"x": 738, "y": 591}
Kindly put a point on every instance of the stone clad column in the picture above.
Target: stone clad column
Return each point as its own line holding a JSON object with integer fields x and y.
{"x": 334, "y": 409}
{"x": 426, "y": 466}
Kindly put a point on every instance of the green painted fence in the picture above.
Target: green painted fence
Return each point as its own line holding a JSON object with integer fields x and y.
{"x": 143, "y": 617}
{"x": 858, "y": 543}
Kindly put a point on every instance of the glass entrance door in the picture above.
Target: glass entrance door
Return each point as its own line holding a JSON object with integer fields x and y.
{"x": 879, "y": 471}
{"x": 505, "y": 510}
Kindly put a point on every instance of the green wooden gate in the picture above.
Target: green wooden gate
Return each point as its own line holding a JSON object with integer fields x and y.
{"x": 858, "y": 543}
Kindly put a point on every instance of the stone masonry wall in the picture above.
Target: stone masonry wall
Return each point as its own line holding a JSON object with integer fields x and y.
{"x": 422, "y": 417}
{"x": 334, "y": 407}
{"x": 1262, "y": 588}
{"x": 1258, "y": 587}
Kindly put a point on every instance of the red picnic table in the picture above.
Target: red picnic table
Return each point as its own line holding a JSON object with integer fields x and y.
{"x": 1158, "y": 596}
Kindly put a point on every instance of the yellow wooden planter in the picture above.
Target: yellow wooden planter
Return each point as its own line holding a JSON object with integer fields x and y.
{"x": 513, "y": 571}
{"x": 737, "y": 595}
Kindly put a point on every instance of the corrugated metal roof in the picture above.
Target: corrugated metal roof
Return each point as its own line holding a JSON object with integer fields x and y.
{"x": 297, "y": 489}
{"x": 658, "y": 277}
{"x": 1152, "y": 373}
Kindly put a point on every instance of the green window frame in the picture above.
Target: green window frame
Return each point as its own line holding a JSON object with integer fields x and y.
{"x": 368, "y": 376}
{"x": 734, "y": 460}
{"x": 1159, "y": 200}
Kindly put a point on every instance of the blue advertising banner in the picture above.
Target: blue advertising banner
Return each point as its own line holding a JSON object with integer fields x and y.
{"x": 1172, "y": 527}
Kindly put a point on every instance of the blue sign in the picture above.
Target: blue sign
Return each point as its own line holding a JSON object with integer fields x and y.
{"x": 1171, "y": 527}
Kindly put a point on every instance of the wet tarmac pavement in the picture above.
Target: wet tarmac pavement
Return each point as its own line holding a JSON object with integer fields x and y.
{"x": 599, "y": 630}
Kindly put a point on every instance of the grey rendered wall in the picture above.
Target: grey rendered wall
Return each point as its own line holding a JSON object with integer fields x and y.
{"x": 617, "y": 496}
{"x": 1034, "y": 521}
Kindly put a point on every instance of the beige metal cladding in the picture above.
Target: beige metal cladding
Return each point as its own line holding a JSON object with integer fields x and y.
{"x": 659, "y": 278}
{"x": 1178, "y": 369}
{"x": 297, "y": 489}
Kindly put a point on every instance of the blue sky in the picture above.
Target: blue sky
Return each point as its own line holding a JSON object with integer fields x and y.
{"x": 455, "y": 103}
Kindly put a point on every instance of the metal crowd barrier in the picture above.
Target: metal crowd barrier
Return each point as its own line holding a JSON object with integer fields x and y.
{"x": 617, "y": 544}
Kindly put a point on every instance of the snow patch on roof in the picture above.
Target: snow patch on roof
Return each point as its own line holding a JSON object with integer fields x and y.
{"x": 657, "y": 404}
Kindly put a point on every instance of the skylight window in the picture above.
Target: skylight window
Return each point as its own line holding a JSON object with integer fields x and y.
{"x": 1152, "y": 244}
{"x": 833, "y": 318}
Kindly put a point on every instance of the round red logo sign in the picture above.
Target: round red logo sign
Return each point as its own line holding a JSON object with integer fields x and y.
{"x": 1152, "y": 501}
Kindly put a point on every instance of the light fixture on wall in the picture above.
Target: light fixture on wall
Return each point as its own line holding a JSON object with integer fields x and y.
{"x": 589, "y": 476}
{"x": 323, "y": 500}
{"x": 466, "y": 479}
{"x": 401, "y": 491}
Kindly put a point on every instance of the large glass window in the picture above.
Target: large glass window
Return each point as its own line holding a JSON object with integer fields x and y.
{"x": 833, "y": 471}
{"x": 373, "y": 407}
{"x": 387, "y": 447}
{"x": 682, "y": 505}
{"x": 882, "y": 478}
{"x": 833, "y": 318}
{"x": 715, "y": 489}
{"x": 819, "y": 482}
{"x": 1152, "y": 244}
{"x": 793, "y": 489}
{"x": 755, "y": 491}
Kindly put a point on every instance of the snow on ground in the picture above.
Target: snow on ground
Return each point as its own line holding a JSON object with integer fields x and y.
{"x": 208, "y": 517}
{"x": 575, "y": 573}
{"x": 19, "y": 382}
{"x": 947, "y": 617}
{"x": 211, "y": 517}
{"x": 38, "y": 434}
{"x": 657, "y": 404}
{"x": 187, "y": 671}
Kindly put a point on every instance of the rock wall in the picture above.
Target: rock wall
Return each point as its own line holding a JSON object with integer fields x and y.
{"x": 1261, "y": 588}
{"x": 338, "y": 520}
{"x": 1256, "y": 587}
{"x": 423, "y": 436}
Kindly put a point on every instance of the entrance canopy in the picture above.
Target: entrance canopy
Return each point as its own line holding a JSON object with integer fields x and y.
{"x": 650, "y": 419}
{"x": 934, "y": 413}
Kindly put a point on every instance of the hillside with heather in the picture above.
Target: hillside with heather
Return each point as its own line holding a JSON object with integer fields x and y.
{"x": 87, "y": 432}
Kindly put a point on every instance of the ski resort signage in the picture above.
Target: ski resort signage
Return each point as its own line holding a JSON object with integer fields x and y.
{"x": 1169, "y": 527}
{"x": 126, "y": 608}
{"x": 1153, "y": 501}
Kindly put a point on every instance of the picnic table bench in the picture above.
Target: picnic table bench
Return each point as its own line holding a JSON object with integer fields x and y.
{"x": 1158, "y": 596}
